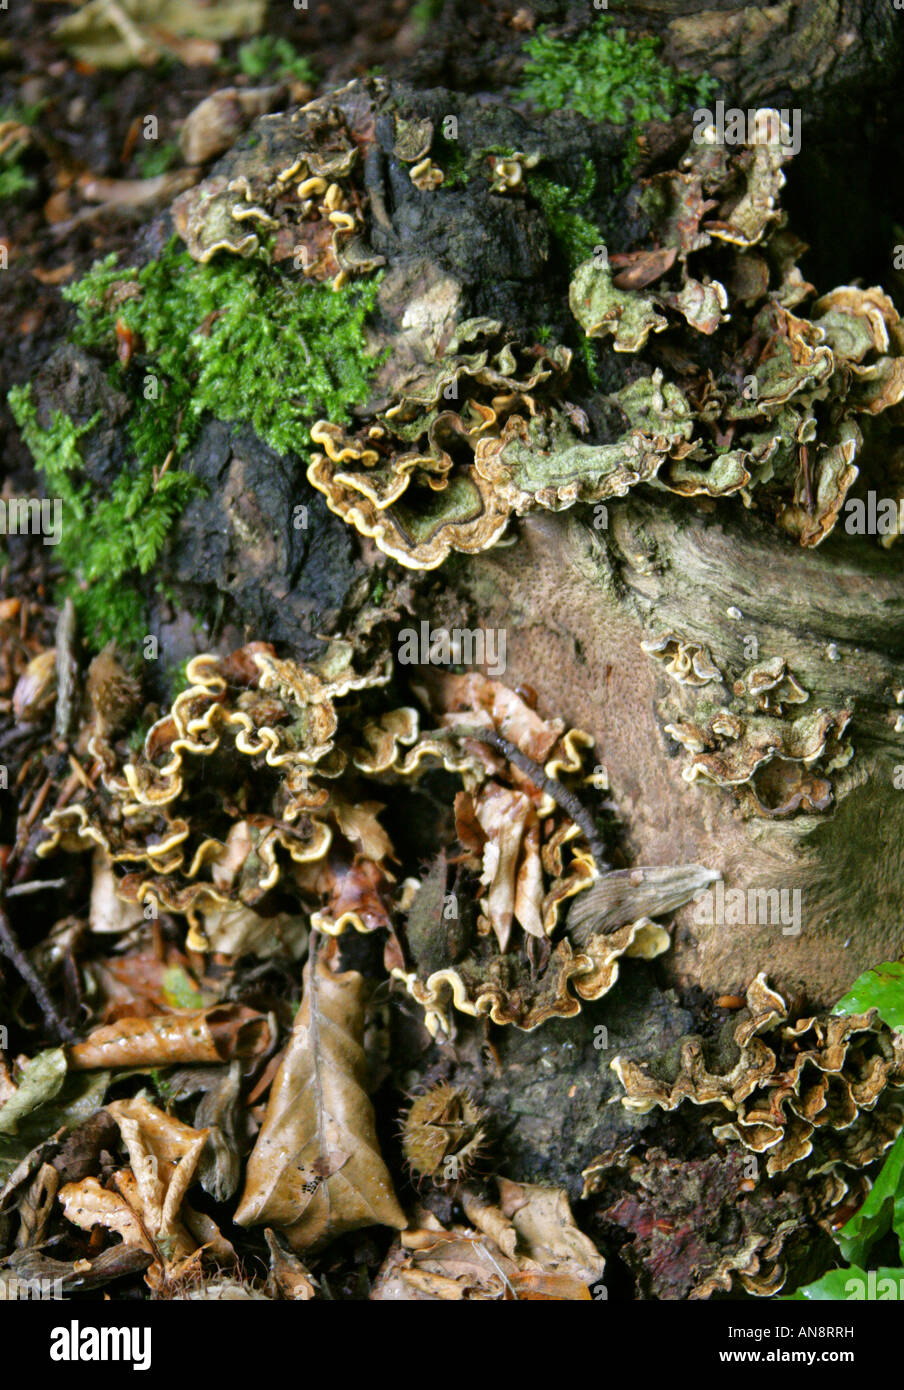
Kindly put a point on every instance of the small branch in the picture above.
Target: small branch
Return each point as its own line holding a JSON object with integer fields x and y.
{"x": 13, "y": 951}
{"x": 560, "y": 795}
{"x": 37, "y": 885}
{"x": 67, "y": 671}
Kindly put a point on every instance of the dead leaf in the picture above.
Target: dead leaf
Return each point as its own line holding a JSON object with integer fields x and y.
{"x": 288, "y": 1276}
{"x": 202, "y": 1035}
{"x": 635, "y": 269}
{"x": 108, "y": 912}
{"x": 122, "y": 33}
{"x": 491, "y": 1221}
{"x": 528, "y": 1248}
{"x": 434, "y": 1265}
{"x": 87, "y": 1205}
{"x": 147, "y": 1210}
{"x": 503, "y": 815}
{"x": 547, "y": 1232}
{"x": 316, "y": 1169}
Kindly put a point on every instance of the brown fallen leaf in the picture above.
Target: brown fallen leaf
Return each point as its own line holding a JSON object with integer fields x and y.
{"x": 87, "y": 1204}
{"x": 288, "y": 1276}
{"x": 431, "y": 1264}
{"x": 57, "y": 275}
{"x": 123, "y": 33}
{"x": 202, "y": 1035}
{"x": 135, "y": 194}
{"x": 491, "y": 1221}
{"x": 77, "y": 1276}
{"x": 316, "y": 1169}
{"x": 216, "y": 122}
{"x": 635, "y": 269}
{"x": 528, "y": 1248}
{"x": 547, "y": 1232}
{"x": 163, "y": 1156}
{"x": 149, "y": 1210}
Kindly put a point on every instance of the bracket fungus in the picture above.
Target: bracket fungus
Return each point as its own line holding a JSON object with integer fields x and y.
{"x": 818, "y": 1091}
{"x": 293, "y": 189}
{"x": 774, "y": 410}
{"x": 256, "y": 797}
{"x": 702, "y": 1227}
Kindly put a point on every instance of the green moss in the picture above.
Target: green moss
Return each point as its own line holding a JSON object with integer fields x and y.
{"x": 268, "y": 56}
{"x": 575, "y": 236}
{"x": 229, "y": 339}
{"x": 232, "y": 339}
{"x": 423, "y": 13}
{"x": 104, "y": 541}
{"x": 607, "y": 76}
{"x": 13, "y": 178}
{"x": 156, "y": 157}
{"x": 460, "y": 167}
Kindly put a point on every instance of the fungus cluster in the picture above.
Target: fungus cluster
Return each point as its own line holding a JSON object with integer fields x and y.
{"x": 819, "y": 1091}
{"x": 729, "y": 388}
{"x": 256, "y": 799}
{"x": 700, "y": 1227}
{"x": 291, "y": 192}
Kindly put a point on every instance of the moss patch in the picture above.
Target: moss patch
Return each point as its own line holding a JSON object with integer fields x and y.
{"x": 230, "y": 338}
{"x": 574, "y": 234}
{"x": 105, "y": 542}
{"x": 270, "y": 56}
{"x": 607, "y": 76}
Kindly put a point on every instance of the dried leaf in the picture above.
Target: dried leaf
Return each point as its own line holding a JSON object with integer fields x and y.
{"x": 316, "y": 1168}
{"x": 288, "y": 1276}
{"x": 547, "y": 1232}
{"x": 624, "y": 895}
{"x": 87, "y": 1205}
{"x": 148, "y": 1210}
{"x": 527, "y": 1248}
{"x": 206, "y": 1035}
{"x": 434, "y": 1265}
{"x": 78, "y": 1098}
{"x": 41, "y": 1079}
{"x": 219, "y": 1112}
{"x": 637, "y": 269}
{"x": 128, "y": 32}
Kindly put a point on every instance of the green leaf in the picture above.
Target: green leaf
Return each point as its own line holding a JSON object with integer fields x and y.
{"x": 79, "y": 1097}
{"x": 179, "y": 989}
{"x": 882, "y": 989}
{"x": 42, "y": 1078}
{"x": 883, "y": 1208}
{"x": 839, "y": 1285}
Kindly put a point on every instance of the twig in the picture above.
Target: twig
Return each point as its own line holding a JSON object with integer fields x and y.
{"x": 560, "y": 795}
{"x": 507, "y": 1283}
{"x": 67, "y": 671}
{"x": 13, "y": 951}
{"x": 37, "y": 885}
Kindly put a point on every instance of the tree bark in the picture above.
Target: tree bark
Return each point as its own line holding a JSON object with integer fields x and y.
{"x": 578, "y": 603}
